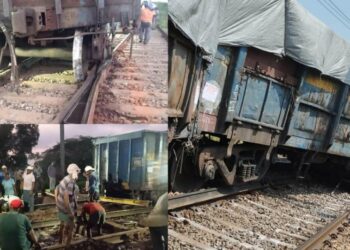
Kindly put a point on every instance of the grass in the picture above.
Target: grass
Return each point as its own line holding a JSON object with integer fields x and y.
{"x": 163, "y": 15}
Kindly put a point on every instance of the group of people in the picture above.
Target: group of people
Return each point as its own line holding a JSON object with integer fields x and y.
{"x": 16, "y": 231}
{"x": 15, "y": 228}
{"x": 20, "y": 184}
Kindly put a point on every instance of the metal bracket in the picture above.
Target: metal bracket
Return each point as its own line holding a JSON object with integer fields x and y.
{"x": 7, "y": 7}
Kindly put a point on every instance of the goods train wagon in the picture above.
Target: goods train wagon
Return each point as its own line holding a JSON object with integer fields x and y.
{"x": 66, "y": 29}
{"x": 231, "y": 117}
{"x": 138, "y": 159}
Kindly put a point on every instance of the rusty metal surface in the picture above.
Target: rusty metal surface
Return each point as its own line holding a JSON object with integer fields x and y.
{"x": 282, "y": 69}
{"x": 313, "y": 117}
{"x": 318, "y": 240}
{"x": 179, "y": 77}
{"x": 72, "y": 14}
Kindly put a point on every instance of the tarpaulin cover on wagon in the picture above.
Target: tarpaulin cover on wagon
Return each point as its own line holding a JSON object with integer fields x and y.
{"x": 282, "y": 27}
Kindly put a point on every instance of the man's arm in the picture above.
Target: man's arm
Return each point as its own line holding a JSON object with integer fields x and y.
{"x": 67, "y": 204}
{"x": 33, "y": 237}
{"x": 33, "y": 183}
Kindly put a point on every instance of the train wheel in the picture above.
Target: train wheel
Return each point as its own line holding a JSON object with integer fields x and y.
{"x": 183, "y": 175}
{"x": 80, "y": 59}
{"x": 10, "y": 45}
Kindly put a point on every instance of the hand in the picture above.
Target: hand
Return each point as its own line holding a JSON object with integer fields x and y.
{"x": 37, "y": 245}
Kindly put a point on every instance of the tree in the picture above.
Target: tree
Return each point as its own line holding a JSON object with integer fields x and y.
{"x": 77, "y": 150}
{"x": 16, "y": 142}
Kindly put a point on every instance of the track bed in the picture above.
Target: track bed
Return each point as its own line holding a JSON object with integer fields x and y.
{"x": 135, "y": 90}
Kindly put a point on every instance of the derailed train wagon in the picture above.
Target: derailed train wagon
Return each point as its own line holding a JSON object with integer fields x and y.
{"x": 251, "y": 82}
{"x": 138, "y": 159}
{"x": 66, "y": 29}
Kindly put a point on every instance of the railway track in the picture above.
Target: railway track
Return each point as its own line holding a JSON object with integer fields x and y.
{"x": 121, "y": 227}
{"x": 133, "y": 89}
{"x": 46, "y": 86}
{"x": 282, "y": 217}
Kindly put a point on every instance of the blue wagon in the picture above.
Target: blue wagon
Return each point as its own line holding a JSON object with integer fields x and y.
{"x": 137, "y": 159}
{"x": 249, "y": 84}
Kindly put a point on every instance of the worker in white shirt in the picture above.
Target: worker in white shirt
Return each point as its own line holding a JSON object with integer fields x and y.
{"x": 28, "y": 188}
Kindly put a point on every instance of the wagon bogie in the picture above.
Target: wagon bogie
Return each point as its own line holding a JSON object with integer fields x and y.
{"x": 46, "y": 28}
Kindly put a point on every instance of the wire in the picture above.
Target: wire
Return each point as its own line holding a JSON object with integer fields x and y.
{"x": 334, "y": 14}
{"x": 339, "y": 11}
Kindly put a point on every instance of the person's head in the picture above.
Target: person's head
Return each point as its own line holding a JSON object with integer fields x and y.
{"x": 89, "y": 170}
{"x": 73, "y": 170}
{"x": 7, "y": 176}
{"x": 15, "y": 204}
{"x": 29, "y": 169}
{"x": 4, "y": 168}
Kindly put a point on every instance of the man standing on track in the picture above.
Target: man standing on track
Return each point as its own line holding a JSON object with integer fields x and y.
{"x": 157, "y": 221}
{"x": 28, "y": 188}
{"x": 93, "y": 185}
{"x": 66, "y": 203}
{"x": 146, "y": 18}
{"x": 51, "y": 173}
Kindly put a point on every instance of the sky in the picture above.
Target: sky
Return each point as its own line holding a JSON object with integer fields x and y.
{"x": 316, "y": 7}
{"x": 50, "y": 133}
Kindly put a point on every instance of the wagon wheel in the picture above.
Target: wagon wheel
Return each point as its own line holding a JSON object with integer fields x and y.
{"x": 264, "y": 164}
{"x": 10, "y": 44}
{"x": 80, "y": 58}
{"x": 182, "y": 171}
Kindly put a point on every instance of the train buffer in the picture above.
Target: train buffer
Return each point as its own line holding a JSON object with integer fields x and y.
{"x": 140, "y": 203}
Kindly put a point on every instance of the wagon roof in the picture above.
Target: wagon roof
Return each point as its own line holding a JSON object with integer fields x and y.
{"x": 125, "y": 136}
{"x": 282, "y": 27}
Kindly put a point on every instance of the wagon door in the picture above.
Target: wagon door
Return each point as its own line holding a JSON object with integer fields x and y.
{"x": 124, "y": 160}
{"x": 212, "y": 91}
{"x": 315, "y": 110}
{"x": 137, "y": 164}
{"x": 113, "y": 161}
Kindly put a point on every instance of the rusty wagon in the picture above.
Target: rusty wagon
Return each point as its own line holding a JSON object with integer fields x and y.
{"x": 251, "y": 84}
{"x": 66, "y": 29}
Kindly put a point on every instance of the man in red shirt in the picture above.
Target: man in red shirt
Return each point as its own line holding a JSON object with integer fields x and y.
{"x": 97, "y": 217}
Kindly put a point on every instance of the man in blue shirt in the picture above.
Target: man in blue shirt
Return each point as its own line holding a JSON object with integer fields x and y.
{"x": 9, "y": 185}
{"x": 93, "y": 183}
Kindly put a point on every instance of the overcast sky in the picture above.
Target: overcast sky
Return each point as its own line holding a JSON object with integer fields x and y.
{"x": 50, "y": 133}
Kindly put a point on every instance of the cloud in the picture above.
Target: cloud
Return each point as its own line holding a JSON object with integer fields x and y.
{"x": 50, "y": 133}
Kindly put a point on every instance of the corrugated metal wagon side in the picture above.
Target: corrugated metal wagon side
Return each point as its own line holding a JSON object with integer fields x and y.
{"x": 138, "y": 159}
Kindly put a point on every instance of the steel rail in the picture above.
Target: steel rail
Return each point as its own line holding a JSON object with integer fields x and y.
{"x": 212, "y": 194}
{"x": 91, "y": 101}
{"x": 317, "y": 241}
{"x": 110, "y": 215}
{"x": 119, "y": 237}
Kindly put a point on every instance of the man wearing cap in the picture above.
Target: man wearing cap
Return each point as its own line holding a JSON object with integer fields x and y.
{"x": 66, "y": 203}
{"x": 93, "y": 190}
{"x": 157, "y": 221}
{"x": 14, "y": 228}
{"x": 97, "y": 217}
{"x": 28, "y": 188}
